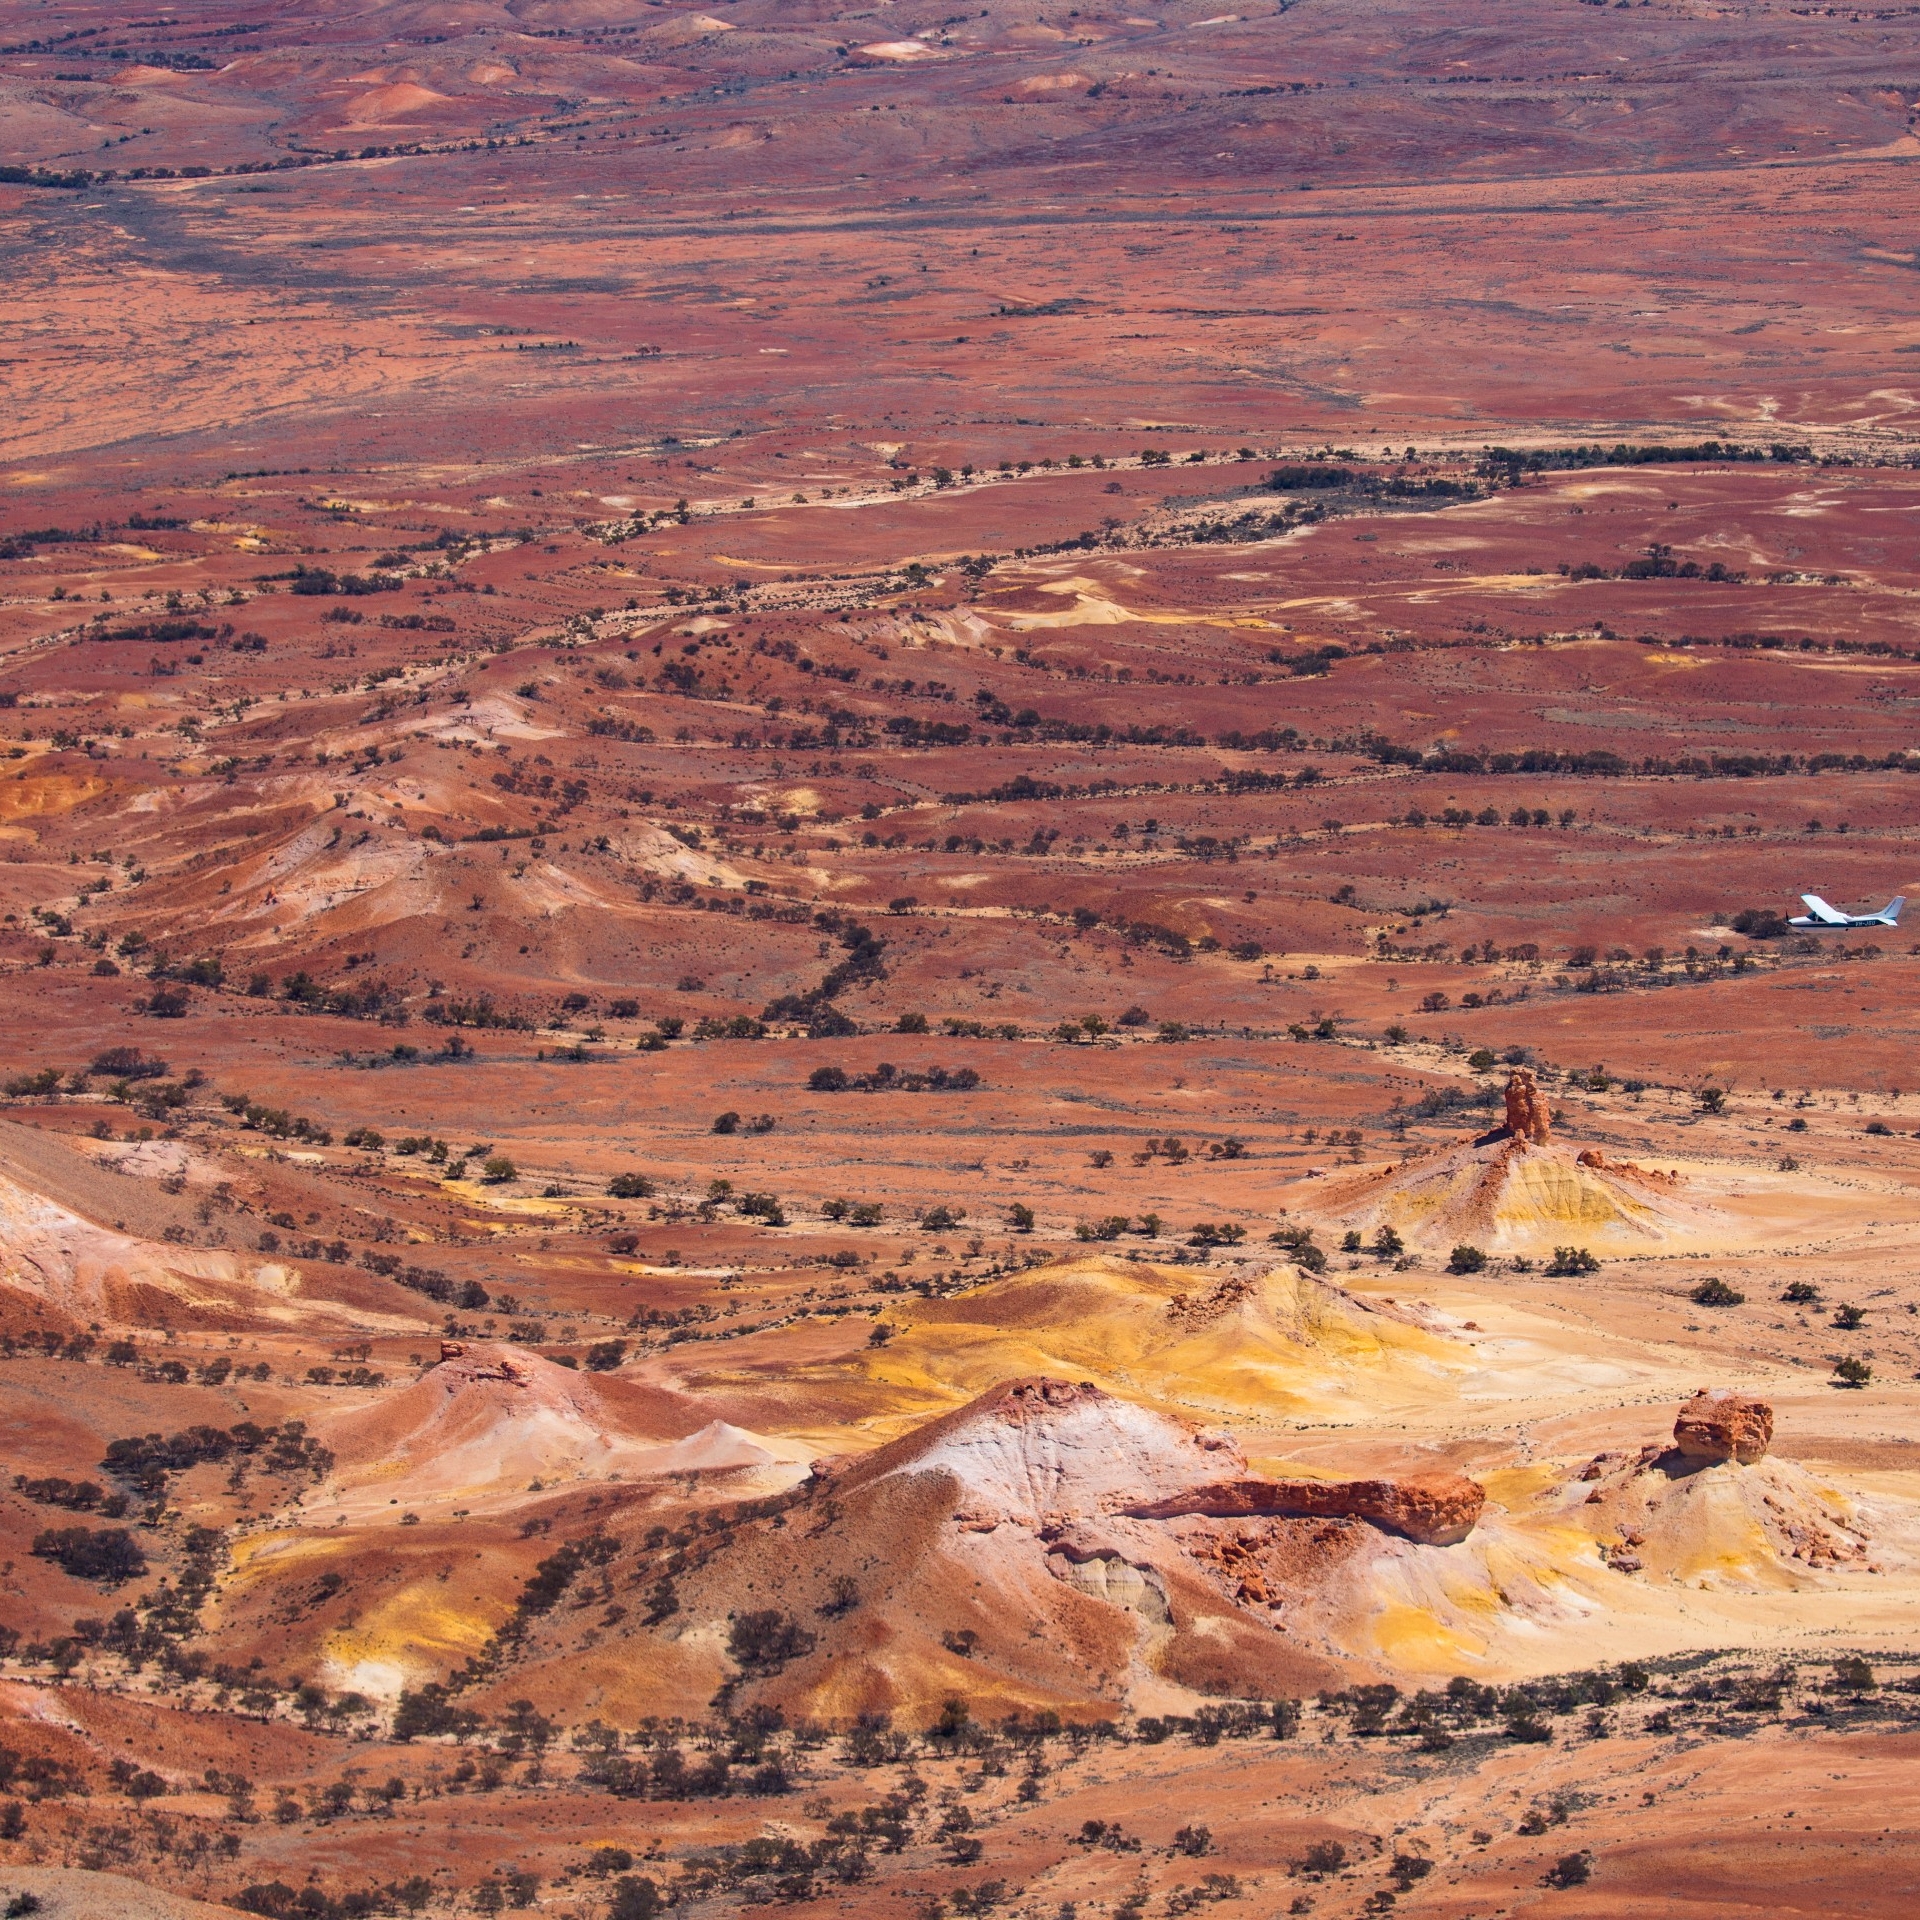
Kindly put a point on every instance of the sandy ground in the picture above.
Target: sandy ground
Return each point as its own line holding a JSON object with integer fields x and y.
{"x": 790, "y": 719}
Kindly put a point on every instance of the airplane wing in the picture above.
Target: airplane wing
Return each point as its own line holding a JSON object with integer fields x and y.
{"x": 1820, "y": 911}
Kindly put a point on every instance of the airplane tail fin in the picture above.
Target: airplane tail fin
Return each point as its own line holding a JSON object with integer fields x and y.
{"x": 1892, "y": 914}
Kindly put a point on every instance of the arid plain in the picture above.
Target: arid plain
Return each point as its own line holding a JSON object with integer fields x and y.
{"x": 893, "y": 999}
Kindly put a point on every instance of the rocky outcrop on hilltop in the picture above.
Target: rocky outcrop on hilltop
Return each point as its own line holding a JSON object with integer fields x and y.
{"x": 1516, "y": 1189}
{"x": 1719, "y": 1424}
{"x": 1528, "y": 1117}
{"x": 1052, "y": 1544}
{"x": 1434, "y": 1509}
{"x": 1041, "y": 1453}
{"x": 1714, "y": 1510}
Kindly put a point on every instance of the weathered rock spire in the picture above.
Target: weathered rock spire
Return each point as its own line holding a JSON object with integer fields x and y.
{"x": 1527, "y": 1115}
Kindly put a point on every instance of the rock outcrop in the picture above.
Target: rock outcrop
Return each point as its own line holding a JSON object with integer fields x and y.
{"x": 1432, "y": 1509}
{"x": 1527, "y": 1115}
{"x": 1043, "y": 1453}
{"x": 1516, "y": 1189}
{"x": 1597, "y": 1162}
{"x": 1723, "y": 1425}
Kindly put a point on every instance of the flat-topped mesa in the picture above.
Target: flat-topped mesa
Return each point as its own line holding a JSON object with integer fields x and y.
{"x": 1527, "y": 1115}
{"x": 1719, "y": 1424}
{"x": 1432, "y": 1509}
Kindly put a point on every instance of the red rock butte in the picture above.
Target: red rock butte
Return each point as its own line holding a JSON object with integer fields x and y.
{"x": 1719, "y": 1424}
{"x": 1528, "y": 1117}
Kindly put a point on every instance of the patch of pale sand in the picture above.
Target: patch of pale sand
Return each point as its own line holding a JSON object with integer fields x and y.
{"x": 1326, "y": 962}
{"x": 804, "y": 801}
{"x": 74, "y": 1893}
{"x": 682, "y": 29}
{"x": 1095, "y": 606}
{"x": 904, "y": 50}
{"x": 1334, "y": 606}
{"x": 151, "y": 1159}
{"x": 1521, "y": 1369}
{"x": 1808, "y": 506}
{"x": 547, "y": 889}
{"x": 476, "y": 1194}
{"x": 961, "y": 628}
{"x": 655, "y": 850}
{"x": 676, "y": 1273}
{"x": 491, "y": 714}
{"x": 95, "y": 1273}
{"x": 1804, "y": 1210}
{"x": 415, "y": 1634}
{"x": 1095, "y": 609}
{"x": 1088, "y": 610}
{"x": 1903, "y": 146}
{"x": 392, "y": 878}
{"x": 1594, "y": 489}
{"x": 1428, "y": 593}
{"x": 334, "y": 501}
{"x": 382, "y": 105}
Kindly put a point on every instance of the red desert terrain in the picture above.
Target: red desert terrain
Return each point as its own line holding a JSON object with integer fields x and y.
{"x": 896, "y": 1013}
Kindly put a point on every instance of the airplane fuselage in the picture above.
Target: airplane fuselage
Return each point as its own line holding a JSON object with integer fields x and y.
{"x": 1822, "y": 918}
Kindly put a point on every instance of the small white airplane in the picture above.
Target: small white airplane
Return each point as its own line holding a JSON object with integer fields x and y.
{"x": 1819, "y": 914}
